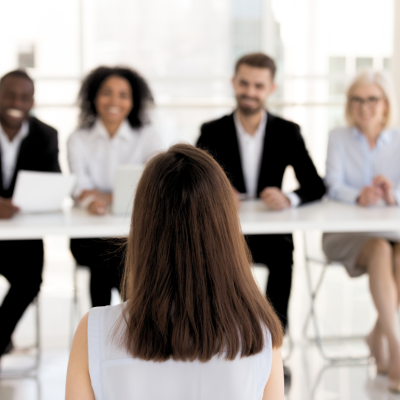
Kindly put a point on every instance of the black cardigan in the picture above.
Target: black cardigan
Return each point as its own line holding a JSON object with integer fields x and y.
{"x": 38, "y": 152}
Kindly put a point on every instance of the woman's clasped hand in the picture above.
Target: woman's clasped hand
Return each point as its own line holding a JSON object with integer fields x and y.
{"x": 379, "y": 191}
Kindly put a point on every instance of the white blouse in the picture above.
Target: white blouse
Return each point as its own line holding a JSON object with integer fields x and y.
{"x": 116, "y": 375}
{"x": 94, "y": 155}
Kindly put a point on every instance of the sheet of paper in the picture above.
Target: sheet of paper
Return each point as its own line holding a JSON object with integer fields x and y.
{"x": 41, "y": 191}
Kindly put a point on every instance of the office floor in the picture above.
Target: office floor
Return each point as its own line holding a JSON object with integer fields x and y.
{"x": 344, "y": 306}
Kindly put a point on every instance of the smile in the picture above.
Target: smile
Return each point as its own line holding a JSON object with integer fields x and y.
{"x": 114, "y": 110}
{"x": 14, "y": 113}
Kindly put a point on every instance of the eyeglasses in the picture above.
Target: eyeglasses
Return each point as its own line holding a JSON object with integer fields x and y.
{"x": 369, "y": 101}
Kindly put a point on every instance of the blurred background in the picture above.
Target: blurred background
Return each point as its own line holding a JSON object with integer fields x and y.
{"x": 186, "y": 49}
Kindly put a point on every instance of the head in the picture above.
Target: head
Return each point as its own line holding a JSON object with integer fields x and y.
{"x": 187, "y": 274}
{"x": 114, "y": 94}
{"x": 370, "y": 102}
{"x": 16, "y": 98}
{"x": 253, "y": 82}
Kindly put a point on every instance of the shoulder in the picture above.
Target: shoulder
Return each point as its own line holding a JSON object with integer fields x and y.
{"x": 78, "y": 384}
{"x": 215, "y": 133}
{"x": 38, "y": 127}
{"x": 340, "y": 133}
{"x": 283, "y": 132}
{"x": 78, "y": 136}
{"x": 103, "y": 319}
{"x": 267, "y": 338}
{"x": 79, "y": 348}
{"x": 106, "y": 327}
{"x": 395, "y": 132}
{"x": 282, "y": 124}
{"x": 392, "y": 136}
{"x": 265, "y": 358}
{"x": 147, "y": 131}
{"x": 217, "y": 124}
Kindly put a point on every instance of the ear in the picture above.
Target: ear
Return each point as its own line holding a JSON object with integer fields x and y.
{"x": 386, "y": 112}
{"x": 32, "y": 104}
{"x": 272, "y": 89}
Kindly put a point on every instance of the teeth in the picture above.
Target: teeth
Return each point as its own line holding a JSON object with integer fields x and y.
{"x": 12, "y": 112}
{"x": 114, "y": 110}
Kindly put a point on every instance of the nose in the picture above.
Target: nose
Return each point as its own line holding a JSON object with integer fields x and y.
{"x": 17, "y": 103}
{"x": 251, "y": 91}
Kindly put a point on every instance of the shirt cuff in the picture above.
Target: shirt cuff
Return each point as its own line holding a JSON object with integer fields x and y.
{"x": 86, "y": 201}
{"x": 396, "y": 194}
{"x": 294, "y": 199}
{"x": 347, "y": 195}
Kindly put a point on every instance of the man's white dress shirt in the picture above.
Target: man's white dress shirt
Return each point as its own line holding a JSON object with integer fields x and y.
{"x": 251, "y": 150}
{"x": 9, "y": 152}
{"x": 94, "y": 155}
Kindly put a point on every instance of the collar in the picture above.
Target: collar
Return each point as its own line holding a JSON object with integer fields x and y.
{"x": 260, "y": 131}
{"x": 384, "y": 138}
{"x": 22, "y": 133}
{"x": 124, "y": 131}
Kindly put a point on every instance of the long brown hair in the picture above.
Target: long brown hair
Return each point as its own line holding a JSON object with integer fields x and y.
{"x": 187, "y": 273}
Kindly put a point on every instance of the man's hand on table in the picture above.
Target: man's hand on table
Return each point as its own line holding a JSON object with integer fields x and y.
{"x": 274, "y": 198}
{"x": 7, "y": 209}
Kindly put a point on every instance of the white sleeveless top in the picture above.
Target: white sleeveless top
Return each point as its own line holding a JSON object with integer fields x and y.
{"x": 116, "y": 375}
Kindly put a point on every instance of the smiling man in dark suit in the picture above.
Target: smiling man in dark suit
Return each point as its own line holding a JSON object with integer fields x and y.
{"x": 254, "y": 147}
{"x": 25, "y": 144}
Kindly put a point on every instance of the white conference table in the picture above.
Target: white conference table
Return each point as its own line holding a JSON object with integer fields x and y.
{"x": 255, "y": 218}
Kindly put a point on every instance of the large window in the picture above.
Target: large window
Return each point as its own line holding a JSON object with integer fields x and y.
{"x": 187, "y": 48}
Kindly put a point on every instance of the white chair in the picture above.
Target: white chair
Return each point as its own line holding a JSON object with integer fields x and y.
{"x": 32, "y": 370}
{"x": 312, "y": 316}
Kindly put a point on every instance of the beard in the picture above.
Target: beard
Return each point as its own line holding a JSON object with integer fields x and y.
{"x": 245, "y": 110}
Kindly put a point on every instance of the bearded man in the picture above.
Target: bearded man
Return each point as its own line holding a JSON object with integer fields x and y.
{"x": 254, "y": 147}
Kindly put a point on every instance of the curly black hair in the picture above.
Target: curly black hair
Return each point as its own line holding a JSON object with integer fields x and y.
{"x": 141, "y": 95}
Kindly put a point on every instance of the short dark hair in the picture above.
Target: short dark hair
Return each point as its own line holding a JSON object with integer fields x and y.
{"x": 187, "y": 268}
{"x": 258, "y": 60}
{"x": 141, "y": 95}
{"x": 19, "y": 73}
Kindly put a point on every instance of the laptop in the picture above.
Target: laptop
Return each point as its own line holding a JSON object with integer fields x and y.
{"x": 41, "y": 192}
{"x": 126, "y": 180}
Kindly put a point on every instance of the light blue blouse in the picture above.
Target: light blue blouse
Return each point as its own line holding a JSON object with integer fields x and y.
{"x": 351, "y": 164}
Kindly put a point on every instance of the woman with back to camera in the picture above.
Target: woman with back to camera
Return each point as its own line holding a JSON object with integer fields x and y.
{"x": 114, "y": 131}
{"x": 363, "y": 168}
{"x": 194, "y": 324}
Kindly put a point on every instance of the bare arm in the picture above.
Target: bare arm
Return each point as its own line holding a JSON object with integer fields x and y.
{"x": 274, "y": 389}
{"x": 78, "y": 385}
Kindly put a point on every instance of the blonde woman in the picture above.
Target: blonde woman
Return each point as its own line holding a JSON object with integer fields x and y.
{"x": 363, "y": 168}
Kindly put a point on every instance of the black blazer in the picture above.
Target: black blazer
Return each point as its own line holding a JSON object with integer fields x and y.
{"x": 283, "y": 146}
{"x": 38, "y": 152}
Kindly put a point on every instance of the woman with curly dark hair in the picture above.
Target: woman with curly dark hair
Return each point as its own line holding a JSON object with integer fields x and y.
{"x": 114, "y": 130}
